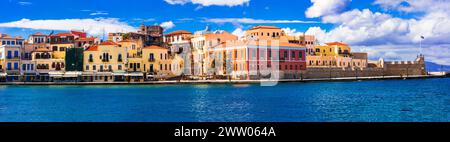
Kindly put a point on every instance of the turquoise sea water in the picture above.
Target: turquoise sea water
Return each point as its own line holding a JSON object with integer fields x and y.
{"x": 367, "y": 101}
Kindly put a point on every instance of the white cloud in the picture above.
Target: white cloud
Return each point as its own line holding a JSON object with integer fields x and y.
{"x": 415, "y": 5}
{"x": 326, "y": 7}
{"x": 167, "y": 25}
{"x": 439, "y": 54}
{"x": 290, "y": 31}
{"x": 99, "y": 13}
{"x": 254, "y": 21}
{"x": 239, "y": 32}
{"x": 229, "y": 3}
{"x": 364, "y": 27}
{"x": 94, "y": 27}
{"x": 24, "y": 3}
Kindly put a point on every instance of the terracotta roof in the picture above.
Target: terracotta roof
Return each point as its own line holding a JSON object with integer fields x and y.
{"x": 87, "y": 38}
{"x": 154, "y": 47}
{"x": 108, "y": 43}
{"x": 178, "y": 32}
{"x": 92, "y": 48}
{"x": 264, "y": 27}
{"x": 38, "y": 34}
{"x": 64, "y": 34}
{"x": 337, "y": 43}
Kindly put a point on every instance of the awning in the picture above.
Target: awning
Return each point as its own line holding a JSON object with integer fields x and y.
{"x": 103, "y": 74}
{"x": 56, "y": 74}
{"x": 72, "y": 74}
{"x": 135, "y": 74}
{"x": 119, "y": 73}
{"x": 88, "y": 73}
{"x": 3, "y": 74}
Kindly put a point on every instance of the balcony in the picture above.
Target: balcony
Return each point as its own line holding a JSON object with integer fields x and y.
{"x": 151, "y": 60}
{"x": 13, "y": 57}
{"x": 105, "y": 60}
{"x": 91, "y": 60}
{"x": 105, "y": 70}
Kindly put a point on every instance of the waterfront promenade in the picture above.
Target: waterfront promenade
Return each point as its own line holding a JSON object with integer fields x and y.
{"x": 227, "y": 81}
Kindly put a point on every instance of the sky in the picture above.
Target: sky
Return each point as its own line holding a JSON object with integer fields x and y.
{"x": 390, "y": 29}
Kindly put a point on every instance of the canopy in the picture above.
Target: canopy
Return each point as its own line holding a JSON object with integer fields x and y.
{"x": 72, "y": 74}
{"x": 135, "y": 74}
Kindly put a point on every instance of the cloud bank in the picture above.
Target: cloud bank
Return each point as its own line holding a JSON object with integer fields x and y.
{"x": 229, "y": 3}
{"x": 94, "y": 27}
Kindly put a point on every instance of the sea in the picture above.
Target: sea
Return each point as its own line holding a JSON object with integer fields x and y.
{"x": 412, "y": 100}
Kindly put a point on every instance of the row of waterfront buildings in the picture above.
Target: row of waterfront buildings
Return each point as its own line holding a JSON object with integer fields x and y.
{"x": 149, "y": 54}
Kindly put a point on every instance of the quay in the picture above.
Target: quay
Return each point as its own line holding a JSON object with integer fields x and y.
{"x": 174, "y": 82}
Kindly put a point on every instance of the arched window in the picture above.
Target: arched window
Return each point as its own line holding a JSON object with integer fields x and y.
{"x": 119, "y": 58}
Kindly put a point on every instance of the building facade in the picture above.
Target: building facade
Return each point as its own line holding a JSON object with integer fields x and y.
{"x": 179, "y": 43}
{"x": 10, "y": 52}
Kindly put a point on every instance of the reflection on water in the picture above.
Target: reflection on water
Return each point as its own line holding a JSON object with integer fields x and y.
{"x": 392, "y": 101}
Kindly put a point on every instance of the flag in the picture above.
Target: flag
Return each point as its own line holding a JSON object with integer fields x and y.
{"x": 422, "y": 37}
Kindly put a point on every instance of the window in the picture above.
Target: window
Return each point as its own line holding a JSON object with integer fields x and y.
{"x": 24, "y": 66}
{"x": 3, "y": 42}
{"x": 119, "y": 67}
{"x": 8, "y": 66}
{"x": 160, "y": 67}
{"x": 285, "y": 55}
{"x": 152, "y": 57}
{"x": 13, "y": 42}
{"x": 9, "y": 55}
{"x": 119, "y": 58}
{"x": 8, "y": 42}
{"x": 94, "y": 67}
{"x": 16, "y": 66}
{"x": 161, "y": 56}
{"x": 300, "y": 55}
{"x": 87, "y": 67}
{"x": 91, "y": 58}
{"x": 293, "y": 55}
{"x": 55, "y": 48}
{"x": 32, "y": 67}
{"x": 16, "y": 54}
{"x": 269, "y": 52}
{"x": 62, "y": 49}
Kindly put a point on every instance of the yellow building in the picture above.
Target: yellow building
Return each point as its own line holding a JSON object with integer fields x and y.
{"x": 336, "y": 54}
{"x": 266, "y": 33}
{"x": 47, "y": 67}
{"x": 159, "y": 64}
{"x": 134, "y": 58}
{"x": 104, "y": 61}
{"x": 333, "y": 49}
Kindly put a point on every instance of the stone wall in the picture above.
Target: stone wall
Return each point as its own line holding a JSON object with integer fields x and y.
{"x": 312, "y": 73}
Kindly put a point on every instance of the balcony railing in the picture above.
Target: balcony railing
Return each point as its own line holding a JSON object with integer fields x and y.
{"x": 12, "y": 57}
{"x": 151, "y": 60}
{"x": 105, "y": 70}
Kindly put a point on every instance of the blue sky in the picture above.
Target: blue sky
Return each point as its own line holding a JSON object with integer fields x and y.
{"x": 385, "y": 28}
